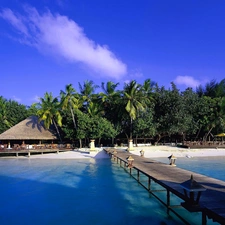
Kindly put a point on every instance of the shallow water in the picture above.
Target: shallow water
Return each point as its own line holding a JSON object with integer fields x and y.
{"x": 81, "y": 191}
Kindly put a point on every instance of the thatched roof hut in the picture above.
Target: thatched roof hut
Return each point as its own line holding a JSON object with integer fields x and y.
{"x": 29, "y": 129}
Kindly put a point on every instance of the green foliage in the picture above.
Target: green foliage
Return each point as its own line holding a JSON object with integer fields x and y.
{"x": 101, "y": 128}
{"x": 144, "y": 125}
{"x": 145, "y": 110}
{"x": 83, "y": 125}
{"x": 49, "y": 112}
{"x": 16, "y": 112}
{"x": 11, "y": 113}
{"x": 32, "y": 110}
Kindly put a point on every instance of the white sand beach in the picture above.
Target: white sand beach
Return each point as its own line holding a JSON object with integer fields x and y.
{"x": 149, "y": 152}
{"x": 165, "y": 151}
{"x": 73, "y": 154}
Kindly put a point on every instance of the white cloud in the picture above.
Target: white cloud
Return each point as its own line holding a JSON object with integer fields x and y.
{"x": 187, "y": 81}
{"x": 60, "y": 36}
{"x": 15, "y": 20}
{"x": 16, "y": 99}
{"x": 36, "y": 98}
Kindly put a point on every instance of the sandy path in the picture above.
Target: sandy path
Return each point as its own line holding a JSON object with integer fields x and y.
{"x": 149, "y": 152}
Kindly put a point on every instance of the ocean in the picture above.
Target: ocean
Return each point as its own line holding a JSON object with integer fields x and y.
{"x": 86, "y": 191}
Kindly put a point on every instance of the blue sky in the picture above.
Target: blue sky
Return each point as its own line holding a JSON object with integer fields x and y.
{"x": 45, "y": 45}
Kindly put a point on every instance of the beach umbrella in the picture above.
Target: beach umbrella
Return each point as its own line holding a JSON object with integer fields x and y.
{"x": 220, "y": 135}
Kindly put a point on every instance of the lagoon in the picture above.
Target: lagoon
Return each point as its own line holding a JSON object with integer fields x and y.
{"x": 81, "y": 191}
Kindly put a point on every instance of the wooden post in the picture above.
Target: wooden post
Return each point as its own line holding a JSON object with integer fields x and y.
{"x": 204, "y": 219}
{"x": 168, "y": 201}
{"x": 149, "y": 184}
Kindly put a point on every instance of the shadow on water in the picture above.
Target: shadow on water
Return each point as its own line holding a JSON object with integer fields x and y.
{"x": 84, "y": 191}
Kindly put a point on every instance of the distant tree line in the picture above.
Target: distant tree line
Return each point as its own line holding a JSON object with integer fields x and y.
{"x": 144, "y": 111}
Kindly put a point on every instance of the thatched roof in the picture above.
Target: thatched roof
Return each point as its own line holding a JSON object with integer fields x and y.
{"x": 28, "y": 129}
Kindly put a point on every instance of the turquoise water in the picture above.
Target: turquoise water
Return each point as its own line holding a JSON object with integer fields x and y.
{"x": 81, "y": 191}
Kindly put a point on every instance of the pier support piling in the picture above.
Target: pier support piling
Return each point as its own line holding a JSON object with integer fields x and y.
{"x": 204, "y": 219}
{"x": 168, "y": 202}
{"x": 138, "y": 176}
{"x": 149, "y": 184}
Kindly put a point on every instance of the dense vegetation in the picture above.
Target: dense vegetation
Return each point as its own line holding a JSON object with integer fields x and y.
{"x": 144, "y": 111}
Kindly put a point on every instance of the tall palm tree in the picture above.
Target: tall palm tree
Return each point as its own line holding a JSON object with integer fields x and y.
{"x": 220, "y": 89}
{"x": 147, "y": 89}
{"x": 94, "y": 109}
{"x": 70, "y": 100}
{"x": 109, "y": 99}
{"x": 109, "y": 91}
{"x": 212, "y": 89}
{"x": 49, "y": 112}
{"x": 134, "y": 100}
{"x": 87, "y": 92}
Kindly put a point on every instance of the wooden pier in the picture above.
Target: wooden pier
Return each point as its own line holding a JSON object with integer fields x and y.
{"x": 199, "y": 193}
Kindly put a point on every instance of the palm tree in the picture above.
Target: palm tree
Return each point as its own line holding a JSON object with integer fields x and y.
{"x": 87, "y": 91}
{"x": 94, "y": 109}
{"x": 147, "y": 90}
{"x": 212, "y": 89}
{"x": 49, "y": 112}
{"x": 70, "y": 100}
{"x": 109, "y": 91}
{"x": 134, "y": 100}
{"x": 148, "y": 87}
{"x": 220, "y": 89}
{"x": 109, "y": 99}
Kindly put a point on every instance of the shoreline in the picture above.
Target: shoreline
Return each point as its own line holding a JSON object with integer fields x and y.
{"x": 149, "y": 152}
{"x": 166, "y": 151}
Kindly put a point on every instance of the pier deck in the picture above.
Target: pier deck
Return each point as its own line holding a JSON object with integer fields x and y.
{"x": 212, "y": 201}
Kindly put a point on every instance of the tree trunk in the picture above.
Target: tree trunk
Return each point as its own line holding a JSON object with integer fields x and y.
{"x": 99, "y": 142}
{"x": 208, "y": 133}
{"x": 80, "y": 141}
{"x": 131, "y": 128}
{"x": 74, "y": 122}
{"x": 57, "y": 130}
{"x": 198, "y": 132}
{"x": 112, "y": 141}
{"x": 136, "y": 140}
{"x": 127, "y": 139}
